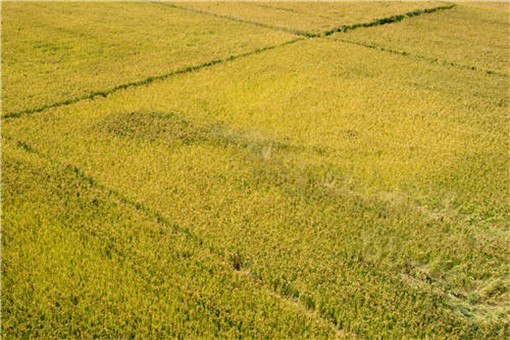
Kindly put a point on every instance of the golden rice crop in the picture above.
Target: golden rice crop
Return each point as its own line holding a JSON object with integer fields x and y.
{"x": 57, "y": 51}
{"x": 314, "y": 173}
{"x": 317, "y": 189}
{"x": 311, "y": 17}
{"x": 466, "y": 35}
{"x": 77, "y": 262}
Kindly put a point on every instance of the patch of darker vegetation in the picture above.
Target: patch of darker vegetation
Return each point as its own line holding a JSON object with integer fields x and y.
{"x": 152, "y": 126}
{"x": 49, "y": 47}
{"x": 237, "y": 261}
{"x": 173, "y": 129}
{"x": 351, "y": 133}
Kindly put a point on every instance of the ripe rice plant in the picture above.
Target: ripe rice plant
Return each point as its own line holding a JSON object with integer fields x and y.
{"x": 307, "y": 18}
{"x": 71, "y": 50}
{"x": 334, "y": 186}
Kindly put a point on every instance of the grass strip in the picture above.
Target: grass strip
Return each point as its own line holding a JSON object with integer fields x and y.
{"x": 107, "y": 92}
{"x": 422, "y": 57}
{"x": 387, "y": 20}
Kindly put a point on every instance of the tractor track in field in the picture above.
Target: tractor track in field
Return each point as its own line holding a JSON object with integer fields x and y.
{"x": 141, "y": 208}
{"x": 301, "y": 36}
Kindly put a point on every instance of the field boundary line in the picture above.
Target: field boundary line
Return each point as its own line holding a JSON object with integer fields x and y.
{"x": 146, "y": 81}
{"x": 432, "y": 60}
{"x": 302, "y": 35}
{"x": 387, "y": 20}
{"x": 151, "y": 213}
{"x": 344, "y": 28}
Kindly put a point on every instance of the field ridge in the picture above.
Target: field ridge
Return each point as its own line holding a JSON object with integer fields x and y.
{"x": 231, "y": 18}
{"x": 432, "y": 60}
{"x": 388, "y": 20}
{"x": 375, "y": 22}
{"x": 150, "y": 79}
{"x": 146, "y": 81}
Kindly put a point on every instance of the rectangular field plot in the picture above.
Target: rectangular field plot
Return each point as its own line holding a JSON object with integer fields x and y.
{"x": 309, "y": 17}
{"x": 468, "y": 35}
{"x": 77, "y": 262}
{"x": 53, "y": 52}
{"x": 370, "y": 187}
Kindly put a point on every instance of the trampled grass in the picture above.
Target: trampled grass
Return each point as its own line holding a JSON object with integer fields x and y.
{"x": 67, "y": 50}
{"x": 466, "y": 35}
{"x": 316, "y": 189}
{"x": 310, "y": 17}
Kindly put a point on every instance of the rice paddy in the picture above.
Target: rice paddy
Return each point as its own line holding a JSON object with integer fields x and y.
{"x": 352, "y": 184}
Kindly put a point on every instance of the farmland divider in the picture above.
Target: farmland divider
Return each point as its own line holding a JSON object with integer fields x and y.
{"x": 422, "y": 57}
{"x": 146, "y": 81}
{"x": 302, "y": 35}
{"x": 344, "y": 28}
{"x": 387, "y": 20}
{"x": 231, "y": 18}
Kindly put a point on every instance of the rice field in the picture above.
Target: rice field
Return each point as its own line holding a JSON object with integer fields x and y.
{"x": 255, "y": 170}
